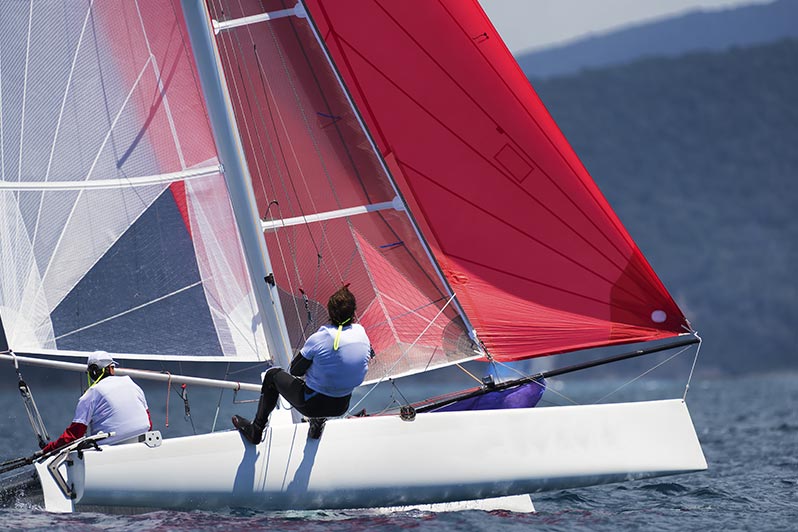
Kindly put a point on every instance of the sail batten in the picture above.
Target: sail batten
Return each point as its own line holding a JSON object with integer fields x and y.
{"x": 331, "y": 215}
{"x": 57, "y": 184}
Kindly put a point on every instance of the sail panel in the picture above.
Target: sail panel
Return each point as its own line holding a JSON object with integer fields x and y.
{"x": 107, "y": 92}
{"x": 536, "y": 256}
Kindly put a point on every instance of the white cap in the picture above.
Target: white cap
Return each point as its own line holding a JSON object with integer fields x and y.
{"x": 101, "y": 359}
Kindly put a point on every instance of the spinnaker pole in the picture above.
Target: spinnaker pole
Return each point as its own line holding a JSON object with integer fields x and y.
{"x": 137, "y": 373}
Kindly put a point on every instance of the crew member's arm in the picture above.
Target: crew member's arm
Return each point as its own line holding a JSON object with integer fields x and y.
{"x": 299, "y": 365}
{"x": 72, "y": 433}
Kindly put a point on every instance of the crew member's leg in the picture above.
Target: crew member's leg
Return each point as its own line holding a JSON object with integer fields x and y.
{"x": 275, "y": 381}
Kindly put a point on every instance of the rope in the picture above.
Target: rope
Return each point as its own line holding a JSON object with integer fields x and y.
{"x": 168, "y": 389}
{"x": 692, "y": 369}
{"x": 683, "y": 349}
{"x": 385, "y": 375}
{"x": 469, "y": 373}
{"x": 35, "y": 418}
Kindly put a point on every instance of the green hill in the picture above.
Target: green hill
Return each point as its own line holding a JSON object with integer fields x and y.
{"x": 698, "y": 156}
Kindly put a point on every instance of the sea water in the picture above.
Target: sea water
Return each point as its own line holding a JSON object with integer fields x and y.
{"x": 748, "y": 428}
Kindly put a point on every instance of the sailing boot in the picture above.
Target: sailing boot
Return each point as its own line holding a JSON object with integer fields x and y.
{"x": 316, "y": 427}
{"x": 253, "y": 432}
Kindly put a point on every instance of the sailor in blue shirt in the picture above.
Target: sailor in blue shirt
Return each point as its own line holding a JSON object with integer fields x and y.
{"x": 333, "y": 362}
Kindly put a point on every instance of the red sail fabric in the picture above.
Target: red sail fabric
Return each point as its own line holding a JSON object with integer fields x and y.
{"x": 536, "y": 256}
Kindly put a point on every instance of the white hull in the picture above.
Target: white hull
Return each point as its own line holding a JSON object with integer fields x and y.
{"x": 383, "y": 461}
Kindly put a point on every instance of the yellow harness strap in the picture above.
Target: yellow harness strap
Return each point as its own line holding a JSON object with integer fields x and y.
{"x": 338, "y": 334}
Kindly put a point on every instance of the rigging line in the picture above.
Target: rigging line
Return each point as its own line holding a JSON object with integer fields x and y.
{"x": 301, "y": 110}
{"x": 561, "y": 395}
{"x": 613, "y": 220}
{"x": 226, "y": 41}
{"x": 138, "y": 307}
{"x": 261, "y": 182}
{"x": 377, "y": 293}
{"x": 280, "y": 149}
{"x": 509, "y": 367}
{"x": 366, "y": 134}
{"x": 278, "y": 238}
{"x": 259, "y": 144}
{"x": 692, "y": 368}
{"x": 226, "y": 46}
{"x": 219, "y": 403}
{"x": 322, "y": 94}
{"x": 469, "y": 373}
{"x": 389, "y": 370}
{"x": 682, "y": 350}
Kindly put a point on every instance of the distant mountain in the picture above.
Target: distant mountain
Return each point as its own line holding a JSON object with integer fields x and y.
{"x": 698, "y": 31}
{"x": 698, "y": 157}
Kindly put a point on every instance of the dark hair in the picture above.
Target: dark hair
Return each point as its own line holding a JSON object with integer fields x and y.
{"x": 95, "y": 372}
{"x": 341, "y": 307}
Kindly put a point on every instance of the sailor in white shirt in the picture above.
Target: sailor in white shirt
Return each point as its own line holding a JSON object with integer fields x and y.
{"x": 112, "y": 403}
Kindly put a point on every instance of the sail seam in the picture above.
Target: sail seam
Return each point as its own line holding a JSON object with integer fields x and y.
{"x": 58, "y": 122}
{"x": 24, "y": 93}
{"x": 127, "y": 182}
{"x": 134, "y": 309}
{"x": 162, "y": 91}
{"x": 91, "y": 170}
{"x": 500, "y": 220}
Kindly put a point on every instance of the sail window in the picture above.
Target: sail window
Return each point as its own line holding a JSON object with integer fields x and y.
{"x": 515, "y": 165}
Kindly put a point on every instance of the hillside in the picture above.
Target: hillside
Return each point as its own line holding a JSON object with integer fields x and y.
{"x": 697, "y": 155}
{"x": 695, "y": 31}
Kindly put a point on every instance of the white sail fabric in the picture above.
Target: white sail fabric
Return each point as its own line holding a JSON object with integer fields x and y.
{"x": 93, "y": 91}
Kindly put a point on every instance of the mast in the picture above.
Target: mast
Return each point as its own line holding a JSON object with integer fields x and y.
{"x": 237, "y": 176}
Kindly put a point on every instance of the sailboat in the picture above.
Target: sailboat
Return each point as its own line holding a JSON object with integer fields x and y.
{"x": 189, "y": 181}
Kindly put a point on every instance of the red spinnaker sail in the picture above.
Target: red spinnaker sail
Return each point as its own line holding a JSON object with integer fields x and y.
{"x": 536, "y": 256}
